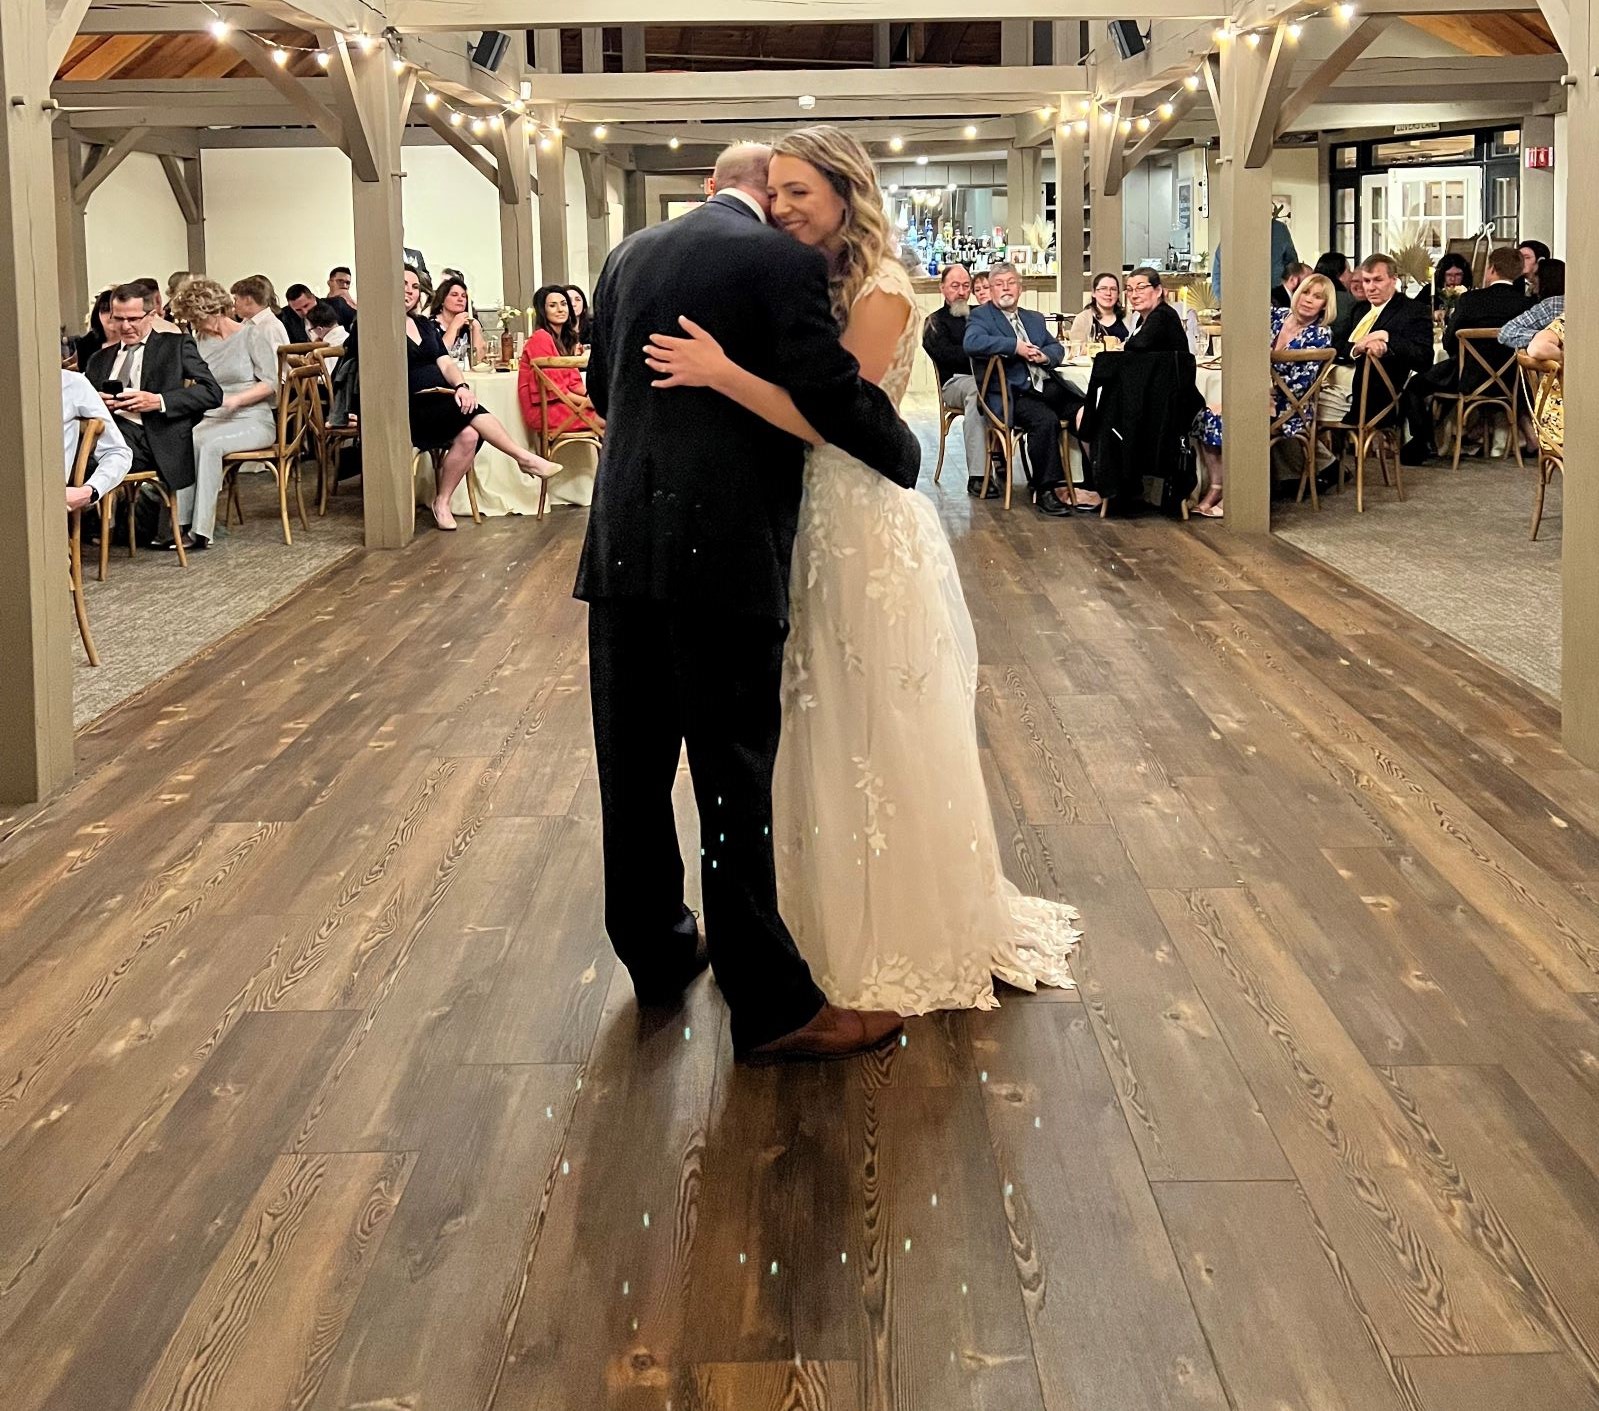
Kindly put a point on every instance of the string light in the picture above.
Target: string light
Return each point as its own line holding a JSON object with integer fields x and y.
{"x": 478, "y": 127}
{"x": 496, "y": 123}
{"x": 1294, "y": 31}
{"x": 971, "y": 130}
{"x": 600, "y": 131}
{"x": 368, "y": 43}
{"x": 1191, "y": 83}
{"x": 219, "y": 27}
{"x": 1142, "y": 124}
{"x": 1046, "y": 113}
{"x": 1082, "y": 127}
{"x": 1345, "y": 12}
{"x": 399, "y": 66}
{"x": 430, "y": 99}
{"x": 896, "y": 144}
{"x": 1252, "y": 39}
{"x": 546, "y": 143}
{"x": 674, "y": 144}
{"x": 456, "y": 119}
{"x": 1166, "y": 110}
{"x": 1222, "y": 35}
{"x": 322, "y": 58}
{"x": 1126, "y": 127}
{"x": 280, "y": 57}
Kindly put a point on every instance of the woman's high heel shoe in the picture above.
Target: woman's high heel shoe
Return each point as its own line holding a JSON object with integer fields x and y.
{"x": 442, "y": 516}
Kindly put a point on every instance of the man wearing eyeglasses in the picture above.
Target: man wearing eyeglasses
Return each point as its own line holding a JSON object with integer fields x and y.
{"x": 156, "y": 386}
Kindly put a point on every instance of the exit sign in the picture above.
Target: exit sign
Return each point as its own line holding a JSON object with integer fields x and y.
{"x": 1540, "y": 158}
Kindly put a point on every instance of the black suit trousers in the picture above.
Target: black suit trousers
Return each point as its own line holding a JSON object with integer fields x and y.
{"x": 663, "y": 676}
{"x": 1039, "y": 416}
{"x": 1416, "y": 399}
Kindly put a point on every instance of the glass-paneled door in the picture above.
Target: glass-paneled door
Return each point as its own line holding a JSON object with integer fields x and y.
{"x": 1428, "y": 206}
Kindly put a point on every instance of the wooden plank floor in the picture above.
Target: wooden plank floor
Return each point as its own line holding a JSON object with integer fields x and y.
{"x": 319, "y": 1087}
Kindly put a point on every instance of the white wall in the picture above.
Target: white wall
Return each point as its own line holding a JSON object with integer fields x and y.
{"x": 1296, "y": 173}
{"x": 255, "y": 226}
{"x": 577, "y": 223}
{"x": 686, "y": 187}
{"x": 133, "y": 227}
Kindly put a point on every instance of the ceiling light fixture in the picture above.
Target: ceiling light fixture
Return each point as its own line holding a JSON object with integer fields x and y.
{"x": 896, "y": 144}
{"x": 1294, "y": 31}
{"x": 674, "y": 144}
{"x": 456, "y": 120}
{"x": 600, "y": 131}
{"x": 921, "y": 161}
{"x": 971, "y": 129}
{"x": 322, "y": 58}
{"x": 1191, "y": 83}
{"x": 430, "y": 99}
{"x": 219, "y": 27}
{"x": 280, "y": 57}
{"x": 1165, "y": 110}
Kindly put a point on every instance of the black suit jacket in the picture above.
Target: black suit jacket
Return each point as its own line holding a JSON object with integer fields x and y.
{"x": 1408, "y": 324}
{"x": 943, "y": 340}
{"x": 697, "y": 500}
{"x": 1492, "y": 306}
{"x": 293, "y": 325}
{"x": 173, "y": 368}
{"x": 1161, "y": 331}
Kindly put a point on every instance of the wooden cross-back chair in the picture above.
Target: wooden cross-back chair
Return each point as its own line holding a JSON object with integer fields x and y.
{"x": 1497, "y": 384}
{"x": 1303, "y": 405}
{"x": 1374, "y": 428}
{"x": 584, "y": 432}
{"x": 283, "y": 456}
{"x": 948, "y": 417}
{"x": 1545, "y": 385}
{"x": 128, "y": 490}
{"x": 327, "y": 440}
{"x": 293, "y": 355}
{"x": 1004, "y": 438}
{"x": 89, "y": 431}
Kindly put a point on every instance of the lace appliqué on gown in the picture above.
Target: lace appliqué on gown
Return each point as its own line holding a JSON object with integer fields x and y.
{"x": 888, "y": 864}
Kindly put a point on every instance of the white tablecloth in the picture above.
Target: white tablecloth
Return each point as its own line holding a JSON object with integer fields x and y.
{"x": 502, "y": 488}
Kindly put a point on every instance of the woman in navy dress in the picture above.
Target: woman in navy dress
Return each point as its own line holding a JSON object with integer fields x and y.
{"x": 445, "y": 415}
{"x": 1307, "y": 323}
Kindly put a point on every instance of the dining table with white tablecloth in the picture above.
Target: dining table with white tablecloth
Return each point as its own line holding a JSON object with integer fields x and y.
{"x": 502, "y": 487}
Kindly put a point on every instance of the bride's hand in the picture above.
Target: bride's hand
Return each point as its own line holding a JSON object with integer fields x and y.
{"x": 695, "y": 361}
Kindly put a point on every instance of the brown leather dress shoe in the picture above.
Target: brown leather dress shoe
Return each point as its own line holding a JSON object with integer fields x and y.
{"x": 833, "y": 1033}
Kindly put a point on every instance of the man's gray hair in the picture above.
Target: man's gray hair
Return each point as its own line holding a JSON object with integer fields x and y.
{"x": 1004, "y": 267}
{"x": 743, "y": 164}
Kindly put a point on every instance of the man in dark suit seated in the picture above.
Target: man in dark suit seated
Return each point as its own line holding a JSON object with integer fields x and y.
{"x": 298, "y": 301}
{"x": 1492, "y": 306}
{"x": 338, "y": 295}
{"x": 1386, "y": 325}
{"x": 164, "y": 387}
{"x": 1040, "y": 403}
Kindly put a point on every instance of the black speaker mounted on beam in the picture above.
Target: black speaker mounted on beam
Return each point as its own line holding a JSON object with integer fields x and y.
{"x": 489, "y": 51}
{"x": 1127, "y": 37}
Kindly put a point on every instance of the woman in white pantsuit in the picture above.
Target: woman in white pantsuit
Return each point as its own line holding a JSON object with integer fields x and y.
{"x": 242, "y": 359}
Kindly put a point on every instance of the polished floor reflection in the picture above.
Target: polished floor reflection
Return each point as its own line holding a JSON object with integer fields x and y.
{"x": 319, "y": 1087}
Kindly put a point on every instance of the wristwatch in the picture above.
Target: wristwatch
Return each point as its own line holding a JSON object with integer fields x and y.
{"x": 94, "y": 496}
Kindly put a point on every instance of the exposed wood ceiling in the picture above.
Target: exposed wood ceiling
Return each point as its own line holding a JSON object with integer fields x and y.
{"x": 1489, "y": 35}
{"x": 94, "y": 58}
{"x": 809, "y": 46}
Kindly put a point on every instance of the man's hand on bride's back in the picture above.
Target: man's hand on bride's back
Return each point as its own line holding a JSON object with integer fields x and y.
{"x": 695, "y": 361}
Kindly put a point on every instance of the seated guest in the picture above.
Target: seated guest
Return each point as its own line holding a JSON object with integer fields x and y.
{"x": 1335, "y": 265}
{"x": 1156, "y": 325}
{"x": 1307, "y": 324}
{"x": 1452, "y": 273}
{"x": 445, "y": 415}
{"x": 1104, "y": 317}
{"x": 298, "y": 301}
{"x": 322, "y": 325}
{"x": 112, "y": 458}
{"x": 944, "y": 342}
{"x": 339, "y": 295}
{"x": 552, "y": 337}
{"x": 254, "y": 302}
{"x": 1492, "y": 306}
{"x": 1282, "y": 295}
{"x": 1040, "y": 402}
{"x": 582, "y": 318}
{"x": 1550, "y": 343}
{"x": 163, "y": 387}
{"x": 160, "y": 323}
{"x": 451, "y": 309}
{"x": 99, "y": 333}
{"x": 980, "y": 290}
{"x": 243, "y": 359}
{"x": 1384, "y": 324}
{"x": 1533, "y": 253}
{"x": 1548, "y": 286}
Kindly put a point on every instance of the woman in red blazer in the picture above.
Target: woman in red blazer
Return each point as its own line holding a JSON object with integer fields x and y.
{"x": 552, "y": 338}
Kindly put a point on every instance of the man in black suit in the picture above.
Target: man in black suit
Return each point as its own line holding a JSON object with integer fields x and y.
{"x": 166, "y": 387}
{"x": 1492, "y": 306}
{"x": 298, "y": 301}
{"x": 1386, "y": 325}
{"x": 685, "y": 569}
{"x": 338, "y": 296}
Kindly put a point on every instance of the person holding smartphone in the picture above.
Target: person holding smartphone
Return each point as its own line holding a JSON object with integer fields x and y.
{"x": 156, "y": 385}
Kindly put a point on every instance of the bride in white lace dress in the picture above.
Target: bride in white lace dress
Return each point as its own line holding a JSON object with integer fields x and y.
{"x": 887, "y": 861}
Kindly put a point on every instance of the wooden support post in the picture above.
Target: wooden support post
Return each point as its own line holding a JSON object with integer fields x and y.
{"x": 379, "y": 102}
{"x": 36, "y": 627}
{"x": 1245, "y": 205}
{"x": 259, "y": 57}
{"x": 1105, "y": 235}
{"x": 518, "y": 259}
{"x": 882, "y": 44}
{"x": 183, "y": 176}
{"x": 634, "y": 215}
{"x": 1117, "y": 130}
{"x": 1070, "y": 227}
{"x": 593, "y": 50}
{"x": 633, "y": 52}
{"x": 554, "y": 262}
{"x": 1579, "y": 677}
{"x": 72, "y": 251}
{"x": 1024, "y": 187}
{"x": 1016, "y": 43}
{"x": 598, "y": 196}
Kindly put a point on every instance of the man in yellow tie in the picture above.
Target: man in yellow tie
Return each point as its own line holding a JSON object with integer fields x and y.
{"x": 1386, "y": 325}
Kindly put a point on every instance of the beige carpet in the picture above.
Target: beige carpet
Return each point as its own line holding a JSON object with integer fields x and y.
{"x": 1457, "y": 554}
{"x": 150, "y": 616}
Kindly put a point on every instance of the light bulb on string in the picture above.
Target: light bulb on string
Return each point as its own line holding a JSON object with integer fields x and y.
{"x": 1191, "y": 83}
{"x": 430, "y": 99}
{"x": 280, "y": 57}
{"x": 1106, "y": 117}
{"x": 1222, "y": 35}
{"x": 1165, "y": 110}
{"x": 478, "y": 126}
{"x": 1252, "y": 39}
{"x": 456, "y": 119}
{"x": 1345, "y": 13}
{"x": 219, "y": 27}
{"x": 600, "y": 131}
{"x": 1142, "y": 124}
{"x": 675, "y": 143}
{"x": 1082, "y": 127}
{"x": 368, "y": 43}
{"x": 322, "y": 58}
{"x": 1294, "y": 31}
{"x": 971, "y": 130}
{"x": 496, "y": 123}
{"x": 896, "y": 144}
{"x": 546, "y": 144}
{"x": 398, "y": 66}
{"x": 1126, "y": 126}
{"x": 1086, "y": 107}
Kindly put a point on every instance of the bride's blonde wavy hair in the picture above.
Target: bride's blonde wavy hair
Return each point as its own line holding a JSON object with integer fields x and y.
{"x": 868, "y": 237}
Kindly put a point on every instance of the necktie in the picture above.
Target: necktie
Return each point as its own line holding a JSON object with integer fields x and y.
{"x": 127, "y": 369}
{"x": 1365, "y": 325}
{"x": 1035, "y": 378}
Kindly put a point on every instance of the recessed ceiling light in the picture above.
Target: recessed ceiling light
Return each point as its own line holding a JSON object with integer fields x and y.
{"x": 921, "y": 161}
{"x": 896, "y": 144}
{"x": 971, "y": 129}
